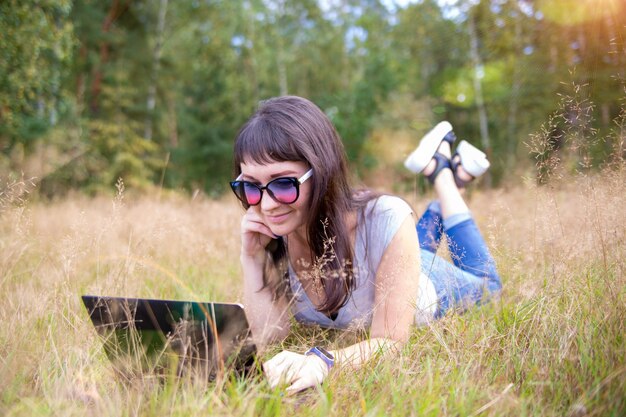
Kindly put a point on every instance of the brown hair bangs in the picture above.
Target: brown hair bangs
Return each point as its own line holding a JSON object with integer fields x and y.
{"x": 262, "y": 141}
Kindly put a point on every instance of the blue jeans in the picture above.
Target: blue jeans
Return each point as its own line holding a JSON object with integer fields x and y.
{"x": 473, "y": 277}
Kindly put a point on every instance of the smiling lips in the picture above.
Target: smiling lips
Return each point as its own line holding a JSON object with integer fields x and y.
{"x": 276, "y": 219}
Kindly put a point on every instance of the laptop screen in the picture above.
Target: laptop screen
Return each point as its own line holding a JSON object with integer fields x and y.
{"x": 165, "y": 336}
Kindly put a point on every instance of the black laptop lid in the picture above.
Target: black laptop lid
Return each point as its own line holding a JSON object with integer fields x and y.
{"x": 159, "y": 335}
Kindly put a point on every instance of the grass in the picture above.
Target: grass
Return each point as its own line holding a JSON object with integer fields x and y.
{"x": 552, "y": 346}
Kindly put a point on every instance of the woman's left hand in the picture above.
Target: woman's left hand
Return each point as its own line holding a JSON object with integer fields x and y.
{"x": 297, "y": 370}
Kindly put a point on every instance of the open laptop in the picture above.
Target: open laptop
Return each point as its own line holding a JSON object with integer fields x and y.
{"x": 173, "y": 337}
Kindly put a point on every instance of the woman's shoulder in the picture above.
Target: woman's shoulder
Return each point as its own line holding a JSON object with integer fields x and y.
{"x": 383, "y": 215}
{"x": 387, "y": 204}
{"x": 379, "y": 221}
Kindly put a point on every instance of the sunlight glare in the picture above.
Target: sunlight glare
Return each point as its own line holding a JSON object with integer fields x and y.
{"x": 572, "y": 12}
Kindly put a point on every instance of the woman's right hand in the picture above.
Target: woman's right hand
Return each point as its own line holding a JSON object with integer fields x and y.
{"x": 255, "y": 235}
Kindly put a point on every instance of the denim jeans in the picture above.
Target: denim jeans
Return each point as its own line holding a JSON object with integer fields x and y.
{"x": 473, "y": 277}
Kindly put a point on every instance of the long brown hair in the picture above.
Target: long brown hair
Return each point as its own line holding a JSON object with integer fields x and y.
{"x": 292, "y": 128}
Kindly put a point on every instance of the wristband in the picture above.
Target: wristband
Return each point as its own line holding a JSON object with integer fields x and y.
{"x": 323, "y": 354}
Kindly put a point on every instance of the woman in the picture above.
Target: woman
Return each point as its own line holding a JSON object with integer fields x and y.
{"x": 318, "y": 250}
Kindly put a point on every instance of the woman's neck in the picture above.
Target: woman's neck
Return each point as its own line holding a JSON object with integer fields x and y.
{"x": 298, "y": 239}
{"x": 299, "y": 252}
{"x": 301, "y": 255}
{"x": 299, "y": 236}
{"x": 305, "y": 265}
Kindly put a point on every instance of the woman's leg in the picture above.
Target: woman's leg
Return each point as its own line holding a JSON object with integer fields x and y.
{"x": 430, "y": 227}
{"x": 474, "y": 271}
{"x": 449, "y": 196}
{"x": 456, "y": 289}
{"x": 470, "y": 253}
{"x": 467, "y": 246}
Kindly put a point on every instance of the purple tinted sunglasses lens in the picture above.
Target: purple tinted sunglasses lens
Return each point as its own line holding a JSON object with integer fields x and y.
{"x": 283, "y": 190}
{"x": 251, "y": 193}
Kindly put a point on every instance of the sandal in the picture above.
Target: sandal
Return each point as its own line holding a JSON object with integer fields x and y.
{"x": 427, "y": 149}
{"x": 441, "y": 162}
{"x": 473, "y": 160}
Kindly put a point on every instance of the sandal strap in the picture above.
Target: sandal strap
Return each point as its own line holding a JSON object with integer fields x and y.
{"x": 441, "y": 162}
{"x": 450, "y": 137}
{"x": 454, "y": 164}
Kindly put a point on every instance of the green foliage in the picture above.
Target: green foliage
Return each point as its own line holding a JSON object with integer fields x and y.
{"x": 355, "y": 110}
{"x": 211, "y": 102}
{"x": 36, "y": 47}
{"x": 118, "y": 152}
{"x": 111, "y": 151}
{"x": 84, "y": 63}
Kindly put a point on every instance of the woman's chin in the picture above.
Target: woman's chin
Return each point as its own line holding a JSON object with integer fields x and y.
{"x": 279, "y": 231}
{"x": 283, "y": 225}
{"x": 282, "y": 229}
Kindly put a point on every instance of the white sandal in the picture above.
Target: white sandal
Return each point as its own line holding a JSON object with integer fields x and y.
{"x": 473, "y": 160}
{"x": 425, "y": 151}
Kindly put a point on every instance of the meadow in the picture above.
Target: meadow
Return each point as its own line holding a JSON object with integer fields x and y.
{"x": 553, "y": 345}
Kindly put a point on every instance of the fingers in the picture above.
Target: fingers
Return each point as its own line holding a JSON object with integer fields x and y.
{"x": 299, "y": 371}
{"x": 282, "y": 367}
{"x": 255, "y": 235}
{"x": 299, "y": 385}
{"x": 252, "y": 222}
{"x": 312, "y": 374}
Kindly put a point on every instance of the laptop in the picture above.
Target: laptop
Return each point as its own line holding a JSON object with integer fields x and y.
{"x": 167, "y": 337}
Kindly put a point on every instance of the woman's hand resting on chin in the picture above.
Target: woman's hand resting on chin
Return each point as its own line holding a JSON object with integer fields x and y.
{"x": 297, "y": 370}
{"x": 255, "y": 235}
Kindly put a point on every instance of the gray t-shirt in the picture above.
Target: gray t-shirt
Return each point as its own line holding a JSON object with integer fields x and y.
{"x": 376, "y": 227}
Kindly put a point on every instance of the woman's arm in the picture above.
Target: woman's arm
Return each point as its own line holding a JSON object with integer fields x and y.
{"x": 268, "y": 317}
{"x": 394, "y": 300}
{"x": 397, "y": 283}
{"x": 393, "y": 317}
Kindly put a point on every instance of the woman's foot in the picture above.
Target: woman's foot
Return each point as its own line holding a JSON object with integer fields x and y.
{"x": 468, "y": 163}
{"x": 439, "y": 162}
{"x": 422, "y": 156}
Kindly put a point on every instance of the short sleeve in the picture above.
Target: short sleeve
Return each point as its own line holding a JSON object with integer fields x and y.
{"x": 382, "y": 220}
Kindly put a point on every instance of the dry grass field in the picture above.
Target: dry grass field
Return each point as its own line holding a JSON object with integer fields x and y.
{"x": 553, "y": 345}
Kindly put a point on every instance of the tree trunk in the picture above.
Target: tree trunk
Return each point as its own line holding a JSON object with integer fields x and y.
{"x": 282, "y": 68}
{"x": 253, "y": 65}
{"x": 156, "y": 63}
{"x": 173, "y": 121}
{"x": 515, "y": 93}
{"x": 115, "y": 12}
{"x": 280, "y": 53}
{"x": 80, "y": 82}
{"x": 478, "y": 90}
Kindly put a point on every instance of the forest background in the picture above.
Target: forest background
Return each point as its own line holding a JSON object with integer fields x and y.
{"x": 154, "y": 91}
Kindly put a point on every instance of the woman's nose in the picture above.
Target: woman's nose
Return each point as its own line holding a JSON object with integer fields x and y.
{"x": 267, "y": 202}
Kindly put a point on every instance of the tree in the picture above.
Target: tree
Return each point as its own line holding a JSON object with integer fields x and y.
{"x": 34, "y": 53}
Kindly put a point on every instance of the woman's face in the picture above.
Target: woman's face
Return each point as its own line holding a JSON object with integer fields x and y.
{"x": 282, "y": 219}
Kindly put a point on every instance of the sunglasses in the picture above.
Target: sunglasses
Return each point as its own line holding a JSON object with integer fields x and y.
{"x": 285, "y": 190}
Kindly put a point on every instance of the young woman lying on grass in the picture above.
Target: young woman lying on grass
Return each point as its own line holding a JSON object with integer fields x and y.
{"x": 316, "y": 249}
